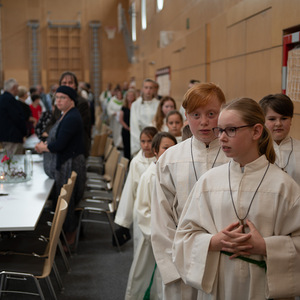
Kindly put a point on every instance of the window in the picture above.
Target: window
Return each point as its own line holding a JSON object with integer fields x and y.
{"x": 159, "y": 4}
{"x": 144, "y": 14}
{"x": 133, "y": 22}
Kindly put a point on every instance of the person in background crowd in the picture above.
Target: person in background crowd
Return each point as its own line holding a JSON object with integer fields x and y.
{"x": 36, "y": 109}
{"x": 12, "y": 120}
{"x": 91, "y": 100}
{"x": 142, "y": 114}
{"x": 66, "y": 148}
{"x": 124, "y": 119}
{"x": 44, "y": 103}
{"x": 239, "y": 235}
{"x": 166, "y": 104}
{"x": 113, "y": 109}
{"x": 50, "y": 96}
{"x": 178, "y": 169}
{"x": 156, "y": 88}
{"x": 174, "y": 123}
{"x": 104, "y": 99}
{"x": 125, "y": 88}
{"x": 279, "y": 112}
{"x": 70, "y": 79}
{"x": 29, "y": 119}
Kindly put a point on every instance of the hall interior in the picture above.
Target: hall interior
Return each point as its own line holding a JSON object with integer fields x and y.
{"x": 248, "y": 47}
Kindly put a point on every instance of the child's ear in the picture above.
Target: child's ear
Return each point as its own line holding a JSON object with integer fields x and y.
{"x": 257, "y": 131}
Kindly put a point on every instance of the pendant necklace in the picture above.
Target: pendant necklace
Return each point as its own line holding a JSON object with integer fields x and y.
{"x": 242, "y": 219}
{"x": 194, "y": 161}
{"x": 288, "y": 160}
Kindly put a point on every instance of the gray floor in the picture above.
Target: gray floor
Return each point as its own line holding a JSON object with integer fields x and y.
{"x": 98, "y": 270}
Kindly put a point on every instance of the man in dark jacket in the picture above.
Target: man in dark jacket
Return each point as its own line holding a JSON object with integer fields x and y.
{"x": 12, "y": 120}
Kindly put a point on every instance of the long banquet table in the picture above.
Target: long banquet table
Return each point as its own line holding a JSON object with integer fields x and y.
{"x": 21, "y": 208}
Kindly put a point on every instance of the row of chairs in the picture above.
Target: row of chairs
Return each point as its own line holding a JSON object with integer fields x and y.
{"x": 30, "y": 256}
{"x": 106, "y": 175}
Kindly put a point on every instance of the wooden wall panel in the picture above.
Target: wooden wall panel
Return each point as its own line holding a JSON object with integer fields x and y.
{"x": 236, "y": 39}
{"x": 218, "y": 74}
{"x": 295, "y": 127}
{"x": 15, "y": 15}
{"x": 182, "y": 77}
{"x": 22, "y": 75}
{"x": 235, "y": 82}
{"x": 257, "y": 75}
{"x": 258, "y": 31}
{"x": 218, "y": 38}
{"x": 194, "y": 53}
{"x": 275, "y": 69}
{"x": 245, "y": 9}
{"x": 285, "y": 14}
{"x": 237, "y": 43}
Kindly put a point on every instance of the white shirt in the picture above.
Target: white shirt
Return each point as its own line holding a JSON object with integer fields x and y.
{"x": 141, "y": 115}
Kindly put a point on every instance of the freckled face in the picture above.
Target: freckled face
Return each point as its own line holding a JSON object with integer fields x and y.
{"x": 203, "y": 119}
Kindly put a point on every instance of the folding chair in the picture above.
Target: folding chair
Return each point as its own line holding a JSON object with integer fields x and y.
{"x": 35, "y": 267}
{"x": 101, "y": 203}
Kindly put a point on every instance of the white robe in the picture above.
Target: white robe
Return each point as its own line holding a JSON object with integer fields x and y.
{"x": 275, "y": 212}
{"x": 283, "y": 151}
{"x": 113, "y": 109}
{"x": 138, "y": 166}
{"x": 175, "y": 180}
{"x": 141, "y": 115}
{"x": 143, "y": 261}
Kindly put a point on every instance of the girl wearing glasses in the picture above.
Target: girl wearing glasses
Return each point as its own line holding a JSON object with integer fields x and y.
{"x": 239, "y": 233}
{"x": 279, "y": 111}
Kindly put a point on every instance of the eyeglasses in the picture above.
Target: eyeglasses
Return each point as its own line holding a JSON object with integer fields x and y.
{"x": 230, "y": 131}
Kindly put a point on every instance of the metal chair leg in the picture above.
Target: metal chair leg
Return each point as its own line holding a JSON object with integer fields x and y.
{"x": 57, "y": 276}
{"x": 63, "y": 254}
{"x": 2, "y": 283}
{"x": 50, "y": 287}
{"x": 37, "y": 283}
{"x": 66, "y": 243}
{"x": 78, "y": 230}
{"x": 113, "y": 231}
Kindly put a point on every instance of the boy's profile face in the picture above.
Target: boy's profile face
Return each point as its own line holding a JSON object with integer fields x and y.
{"x": 203, "y": 119}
